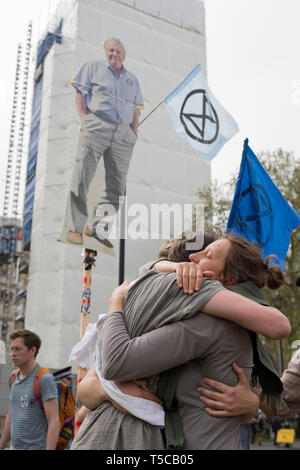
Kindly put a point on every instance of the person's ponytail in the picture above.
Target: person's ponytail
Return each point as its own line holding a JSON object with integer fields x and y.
{"x": 275, "y": 277}
{"x": 244, "y": 262}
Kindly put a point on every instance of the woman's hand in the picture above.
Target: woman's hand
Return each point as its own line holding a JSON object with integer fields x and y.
{"x": 230, "y": 401}
{"x": 117, "y": 297}
{"x": 189, "y": 276}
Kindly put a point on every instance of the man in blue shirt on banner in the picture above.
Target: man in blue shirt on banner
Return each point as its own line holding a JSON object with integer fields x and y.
{"x": 259, "y": 212}
{"x": 108, "y": 99}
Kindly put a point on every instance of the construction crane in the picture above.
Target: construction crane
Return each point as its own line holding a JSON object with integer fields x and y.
{"x": 10, "y": 223}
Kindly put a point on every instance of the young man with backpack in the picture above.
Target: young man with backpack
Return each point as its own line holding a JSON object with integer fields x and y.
{"x": 32, "y": 422}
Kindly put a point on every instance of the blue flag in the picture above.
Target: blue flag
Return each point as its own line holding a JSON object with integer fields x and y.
{"x": 259, "y": 212}
{"x": 198, "y": 117}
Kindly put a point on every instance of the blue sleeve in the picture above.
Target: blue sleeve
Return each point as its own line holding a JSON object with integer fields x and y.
{"x": 139, "y": 97}
{"x": 82, "y": 80}
{"x": 48, "y": 387}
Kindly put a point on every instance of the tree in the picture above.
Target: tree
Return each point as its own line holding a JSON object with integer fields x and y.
{"x": 284, "y": 169}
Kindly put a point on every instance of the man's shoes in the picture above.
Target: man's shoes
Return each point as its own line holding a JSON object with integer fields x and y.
{"x": 75, "y": 238}
{"x": 93, "y": 234}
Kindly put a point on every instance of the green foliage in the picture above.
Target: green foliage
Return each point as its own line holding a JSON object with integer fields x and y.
{"x": 284, "y": 169}
{"x": 217, "y": 200}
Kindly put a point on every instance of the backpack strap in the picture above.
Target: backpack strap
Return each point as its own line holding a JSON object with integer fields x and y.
{"x": 66, "y": 397}
{"x": 13, "y": 376}
{"x": 70, "y": 418}
{"x": 66, "y": 409}
{"x": 37, "y": 394}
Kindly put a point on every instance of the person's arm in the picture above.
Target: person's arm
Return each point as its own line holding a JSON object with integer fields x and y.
{"x": 5, "y": 433}
{"x": 80, "y": 104}
{"x": 165, "y": 266}
{"x": 150, "y": 265}
{"x": 81, "y": 414}
{"x": 227, "y": 399}
{"x": 290, "y": 398}
{"x": 90, "y": 391}
{"x": 291, "y": 388}
{"x": 138, "y": 101}
{"x": 52, "y": 416}
{"x": 119, "y": 352}
{"x": 189, "y": 275}
{"x": 267, "y": 321}
{"x": 135, "y": 121}
{"x": 82, "y": 82}
{"x": 126, "y": 359}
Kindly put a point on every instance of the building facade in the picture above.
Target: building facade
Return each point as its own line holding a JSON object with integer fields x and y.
{"x": 164, "y": 41}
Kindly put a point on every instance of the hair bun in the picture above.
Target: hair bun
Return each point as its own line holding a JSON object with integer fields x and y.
{"x": 275, "y": 277}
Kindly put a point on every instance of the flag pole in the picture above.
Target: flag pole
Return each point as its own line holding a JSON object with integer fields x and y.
{"x": 238, "y": 183}
{"x": 89, "y": 262}
{"x": 154, "y": 109}
{"x": 122, "y": 240}
{"x": 159, "y": 104}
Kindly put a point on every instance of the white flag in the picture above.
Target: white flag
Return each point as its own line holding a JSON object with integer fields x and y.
{"x": 198, "y": 117}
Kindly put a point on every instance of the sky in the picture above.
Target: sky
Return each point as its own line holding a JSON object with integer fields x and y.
{"x": 14, "y": 21}
{"x": 253, "y": 69}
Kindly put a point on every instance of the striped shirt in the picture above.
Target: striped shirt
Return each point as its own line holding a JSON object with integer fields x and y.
{"x": 110, "y": 97}
{"x": 28, "y": 424}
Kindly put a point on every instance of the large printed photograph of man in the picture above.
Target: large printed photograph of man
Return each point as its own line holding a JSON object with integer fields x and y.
{"x": 108, "y": 100}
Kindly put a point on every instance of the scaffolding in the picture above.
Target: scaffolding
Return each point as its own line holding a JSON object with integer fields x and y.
{"x": 10, "y": 224}
{"x": 22, "y": 124}
{"x": 14, "y": 233}
{"x": 9, "y": 232}
{"x": 11, "y": 145}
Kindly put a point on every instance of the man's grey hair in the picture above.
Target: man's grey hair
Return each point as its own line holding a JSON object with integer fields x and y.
{"x": 118, "y": 41}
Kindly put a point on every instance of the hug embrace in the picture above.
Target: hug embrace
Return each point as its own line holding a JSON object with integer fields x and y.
{"x": 182, "y": 325}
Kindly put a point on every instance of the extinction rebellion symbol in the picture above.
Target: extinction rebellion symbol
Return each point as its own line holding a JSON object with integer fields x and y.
{"x": 199, "y": 117}
{"x": 257, "y": 225}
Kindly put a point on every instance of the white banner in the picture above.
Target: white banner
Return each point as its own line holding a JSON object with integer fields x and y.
{"x": 198, "y": 117}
